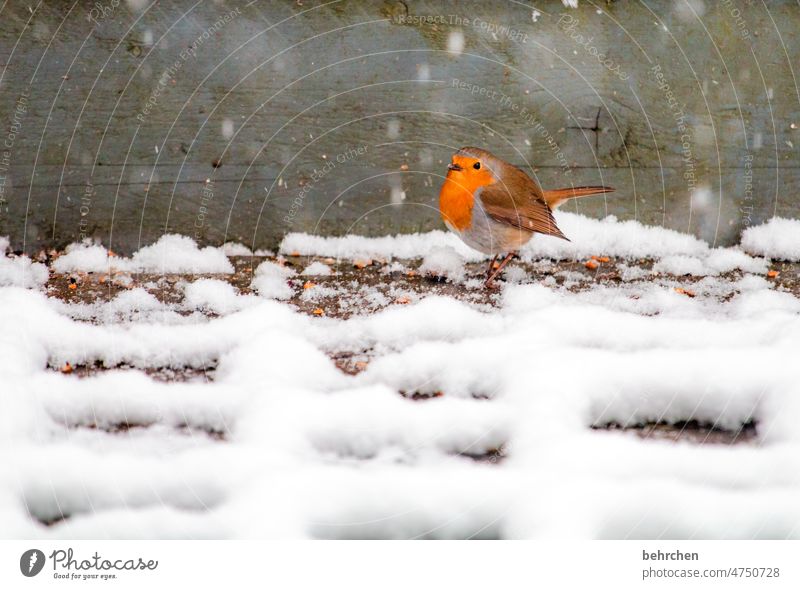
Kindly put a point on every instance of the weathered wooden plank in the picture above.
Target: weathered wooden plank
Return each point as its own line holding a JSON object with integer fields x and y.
{"x": 694, "y": 120}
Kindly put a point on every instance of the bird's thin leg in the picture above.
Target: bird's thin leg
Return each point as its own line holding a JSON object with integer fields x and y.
{"x": 491, "y": 266}
{"x": 490, "y": 281}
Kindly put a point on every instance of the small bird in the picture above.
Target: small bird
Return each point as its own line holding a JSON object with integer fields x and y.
{"x": 495, "y": 207}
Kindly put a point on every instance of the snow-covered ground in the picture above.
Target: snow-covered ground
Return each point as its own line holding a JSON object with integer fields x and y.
{"x": 280, "y": 442}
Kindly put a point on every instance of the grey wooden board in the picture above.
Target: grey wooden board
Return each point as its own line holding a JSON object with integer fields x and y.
{"x": 300, "y": 84}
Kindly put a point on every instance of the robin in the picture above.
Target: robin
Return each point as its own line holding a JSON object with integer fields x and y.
{"x": 495, "y": 207}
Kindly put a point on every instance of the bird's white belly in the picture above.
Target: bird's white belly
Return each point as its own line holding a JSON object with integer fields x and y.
{"x": 489, "y": 236}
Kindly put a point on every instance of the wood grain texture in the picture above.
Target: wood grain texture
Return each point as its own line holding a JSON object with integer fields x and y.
{"x": 341, "y": 117}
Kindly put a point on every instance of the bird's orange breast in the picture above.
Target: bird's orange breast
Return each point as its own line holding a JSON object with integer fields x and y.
{"x": 457, "y": 199}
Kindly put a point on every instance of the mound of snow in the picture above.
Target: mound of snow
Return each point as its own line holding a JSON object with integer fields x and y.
{"x": 21, "y": 271}
{"x": 178, "y": 253}
{"x": 680, "y": 266}
{"x": 610, "y": 237}
{"x": 130, "y": 305}
{"x": 354, "y": 247}
{"x": 679, "y": 253}
{"x": 778, "y": 239}
{"x": 269, "y": 281}
{"x": 317, "y": 269}
{"x": 444, "y": 262}
{"x": 232, "y": 248}
{"x": 718, "y": 261}
{"x": 722, "y": 260}
{"x": 86, "y": 257}
{"x": 217, "y": 296}
{"x": 626, "y": 239}
{"x": 170, "y": 254}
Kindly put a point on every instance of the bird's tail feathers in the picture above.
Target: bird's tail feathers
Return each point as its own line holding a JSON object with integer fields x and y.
{"x": 556, "y": 197}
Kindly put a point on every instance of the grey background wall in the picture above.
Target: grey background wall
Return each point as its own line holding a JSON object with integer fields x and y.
{"x": 244, "y": 120}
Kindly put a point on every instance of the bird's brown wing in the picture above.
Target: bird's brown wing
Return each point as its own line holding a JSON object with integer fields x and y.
{"x": 525, "y": 211}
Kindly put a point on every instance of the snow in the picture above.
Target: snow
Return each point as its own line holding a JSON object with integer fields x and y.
{"x": 718, "y": 261}
{"x": 130, "y": 305}
{"x": 310, "y": 451}
{"x": 390, "y": 466}
{"x": 171, "y": 253}
{"x": 21, "y": 271}
{"x": 680, "y": 266}
{"x": 778, "y": 239}
{"x": 609, "y": 236}
{"x": 85, "y": 257}
{"x": 317, "y": 269}
{"x": 216, "y": 296}
{"x": 675, "y": 253}
{"x": 178, "y": 253}
{"x": 232, "y": 248}
{"x": 444, "y": 262}
{"x": 354, "y": 247}
{"x": 269, "y": 280}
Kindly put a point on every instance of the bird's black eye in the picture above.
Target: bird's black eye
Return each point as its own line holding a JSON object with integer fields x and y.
{"x": 477, "y": 165}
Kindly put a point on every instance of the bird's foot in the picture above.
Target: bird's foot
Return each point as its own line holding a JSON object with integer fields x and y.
{"x": 492, "y": 266}
{"x": 490, "y": 280}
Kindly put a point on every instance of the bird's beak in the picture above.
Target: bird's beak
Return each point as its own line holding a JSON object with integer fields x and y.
{"x": 454, "y": 167}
